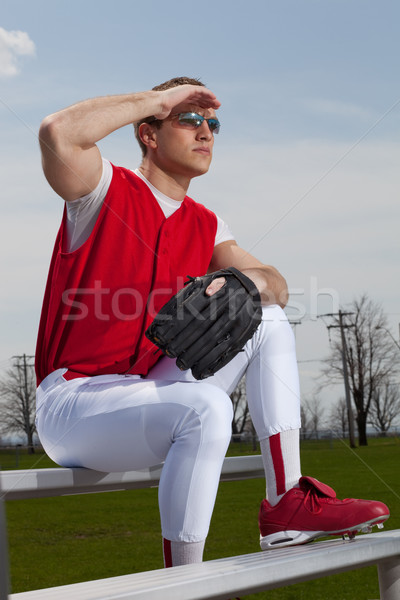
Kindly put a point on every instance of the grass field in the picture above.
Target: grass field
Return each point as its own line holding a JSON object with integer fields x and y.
{"x": 54, "y": 541}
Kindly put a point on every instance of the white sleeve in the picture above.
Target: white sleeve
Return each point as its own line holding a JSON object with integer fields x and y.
{"x": 223, "y": 233}
{"x": 83, "y": 212}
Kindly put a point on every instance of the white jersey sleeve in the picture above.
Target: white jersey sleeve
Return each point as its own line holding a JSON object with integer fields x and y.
{"x": 223, "y": 233}
{"x": 83, "y": 212}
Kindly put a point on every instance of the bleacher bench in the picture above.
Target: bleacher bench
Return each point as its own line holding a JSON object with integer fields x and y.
{"x": 217, "y": 579}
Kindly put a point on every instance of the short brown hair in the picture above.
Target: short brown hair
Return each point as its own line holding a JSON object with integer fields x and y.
{"x": 174, "y": 82}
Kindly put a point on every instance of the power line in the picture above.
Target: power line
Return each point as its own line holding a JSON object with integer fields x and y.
{"x": 388, "y": 332}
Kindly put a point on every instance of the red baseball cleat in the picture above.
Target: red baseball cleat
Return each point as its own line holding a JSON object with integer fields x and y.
{"x": 311, "y": 511}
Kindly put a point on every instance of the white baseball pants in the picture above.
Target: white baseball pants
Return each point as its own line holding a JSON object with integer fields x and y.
{"x": 125, "y": 422}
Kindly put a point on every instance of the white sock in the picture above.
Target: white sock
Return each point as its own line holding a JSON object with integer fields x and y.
{"x": 182, "y": 553}
{"x": 281, "y": 459}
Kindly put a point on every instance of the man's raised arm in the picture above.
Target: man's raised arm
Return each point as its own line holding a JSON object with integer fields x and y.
{"x": 71, "y": 160}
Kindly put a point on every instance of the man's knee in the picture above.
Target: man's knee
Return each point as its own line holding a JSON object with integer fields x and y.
{"x": 275, "y": 323}
{"x": 214, "y": 408}
{"x": 274, "y": 314}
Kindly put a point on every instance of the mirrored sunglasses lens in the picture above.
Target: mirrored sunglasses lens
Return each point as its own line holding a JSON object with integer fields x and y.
{"x": 191, "y": 119}
{"x": 195, "y": 120}
{"x": 214, "y": 125}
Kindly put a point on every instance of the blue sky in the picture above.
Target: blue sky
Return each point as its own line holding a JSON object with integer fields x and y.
{"x": 306, "y": 165}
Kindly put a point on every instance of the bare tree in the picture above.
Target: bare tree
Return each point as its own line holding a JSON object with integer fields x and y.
{"x": 312, "y": 414}
{"x": 371, "y": 357}
{"x": 385, "y": 407}
{"x": 241, "y": 415}
{"x": 338, "y": 418}
{"x": 17, "y": 400}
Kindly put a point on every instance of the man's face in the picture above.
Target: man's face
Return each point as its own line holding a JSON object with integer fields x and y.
{"x": 182, "y": 149}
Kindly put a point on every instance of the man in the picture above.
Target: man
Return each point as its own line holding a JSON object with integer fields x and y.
{"x": 105, "y": 399}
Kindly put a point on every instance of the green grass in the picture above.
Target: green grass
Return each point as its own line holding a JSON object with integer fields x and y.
{"x": 18, "y": 458}
{"x": 55, "y": 541}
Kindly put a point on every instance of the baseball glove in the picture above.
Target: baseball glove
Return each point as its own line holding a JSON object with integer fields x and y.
{"x": 205, "y": 332}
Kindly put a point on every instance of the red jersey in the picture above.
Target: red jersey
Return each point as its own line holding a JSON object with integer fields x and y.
{"x": 100, "y": 298}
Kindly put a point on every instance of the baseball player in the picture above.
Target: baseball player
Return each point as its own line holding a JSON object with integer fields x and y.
{"x": 107, "y": 398}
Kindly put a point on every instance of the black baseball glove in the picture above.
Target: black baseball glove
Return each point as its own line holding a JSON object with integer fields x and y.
{"x": 205, "y": 332}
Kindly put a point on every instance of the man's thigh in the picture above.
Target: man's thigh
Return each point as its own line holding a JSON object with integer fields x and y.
{"x": 117, "y": 422}
{"x": 226, "y": 379}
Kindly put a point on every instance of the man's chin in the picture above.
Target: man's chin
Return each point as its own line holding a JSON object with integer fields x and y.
{"x": 200, "y": 169}
{"x": 200, "y": 172}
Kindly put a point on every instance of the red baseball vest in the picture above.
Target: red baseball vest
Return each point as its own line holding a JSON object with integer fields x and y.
{"x": 100, "y": 299}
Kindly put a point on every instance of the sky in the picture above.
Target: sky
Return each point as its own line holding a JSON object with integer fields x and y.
{"x": 305, "y": 168}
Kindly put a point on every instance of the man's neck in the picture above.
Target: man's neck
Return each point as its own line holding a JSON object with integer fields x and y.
{"x": 172, "y": 185}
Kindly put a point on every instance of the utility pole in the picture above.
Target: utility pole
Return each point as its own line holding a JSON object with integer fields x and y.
{"x": 4, "y": 566}
{"x": 24, "y": 358}
{"x": 350, "y": 416}
{"x": 25, "y": 387}
{"x": 346, "y": 381}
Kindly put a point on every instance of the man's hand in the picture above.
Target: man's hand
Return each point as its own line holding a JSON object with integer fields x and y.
{"x": 204, "y": 334}
{"x": 175, "y": 97}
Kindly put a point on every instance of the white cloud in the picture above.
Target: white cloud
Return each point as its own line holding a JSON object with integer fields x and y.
{"x": 12, "y": 45}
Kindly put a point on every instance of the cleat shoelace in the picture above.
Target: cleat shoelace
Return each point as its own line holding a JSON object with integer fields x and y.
{"x": 312, "y": 499}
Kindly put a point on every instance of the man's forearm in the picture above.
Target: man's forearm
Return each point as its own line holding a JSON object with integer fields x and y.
{"x": 85, "y": 123}
{"x": 70, "y": 157}
{"x": 270, "y": 283}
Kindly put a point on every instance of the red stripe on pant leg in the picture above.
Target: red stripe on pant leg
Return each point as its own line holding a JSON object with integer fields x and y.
{"x": 277, "y": 459}
{"x": 167, "y": 553}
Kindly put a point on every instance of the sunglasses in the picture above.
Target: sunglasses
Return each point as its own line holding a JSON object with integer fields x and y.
{"x": 195, "y": 120}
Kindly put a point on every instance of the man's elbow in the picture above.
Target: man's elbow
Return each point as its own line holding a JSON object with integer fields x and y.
{"x": 49, "y": 131}
{"x": 280, "y": 289}
{"x": 283, "y": 296}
